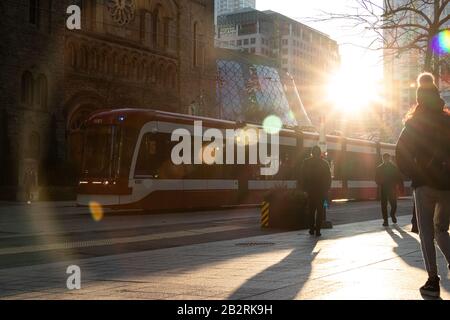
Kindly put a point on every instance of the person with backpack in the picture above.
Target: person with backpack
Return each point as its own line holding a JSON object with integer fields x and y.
{"x": 388, "y": 178}
{"x": 423, "y": 154}
{"x": 316, "y": 174}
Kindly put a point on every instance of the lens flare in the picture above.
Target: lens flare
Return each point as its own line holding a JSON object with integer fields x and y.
{"x": 291, "y": 115}
{"x": 96, "y": 211}
{"x": 441, "y": 42}
{"x": 272, "y": 125}
{"x": 246, "y": 136}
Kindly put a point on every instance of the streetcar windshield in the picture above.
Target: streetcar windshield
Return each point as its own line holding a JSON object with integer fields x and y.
{"x": 108, "y": 151}
{"x": 98, "y": 152}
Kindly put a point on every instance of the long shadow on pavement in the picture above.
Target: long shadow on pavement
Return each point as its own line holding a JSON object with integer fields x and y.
{"x": 405, "y": 238}
{"x": 125, "y": 269}
{"x": 286, "y": 270}
{"x": 135, "y": 267}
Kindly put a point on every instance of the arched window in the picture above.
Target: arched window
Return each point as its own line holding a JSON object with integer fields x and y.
{"x": 42, "y": 91}
{"x": 84, "y": 58}
{"x": 155, "y": 26}
{"x": 72, "y": 53}
{"x": 170, "y": 77}
{"x": 125, "y": 67}
{"x": 195, "y": 45}
{"x": 27, "y": 88}
{"x": 95, "y": 60}
{"x": 115, "y": 64}
{"x": 34, "y": 146}
{"x": 107, "y": 62}
{"x": 154, "y": 72}
{"x": 90, "y": 14}
{"x": 161, "y": 75}
{"x": 173, "y": 77}
{"x": 34, "y": 12}
{"x": 49, "y": 15}
{"x": 166, "y": 33}
{"x": 142, "y": 70}
{"x": 143, "y": 25}
{"x": 102, "y": 63}
{"x": 134, "y": 69}
{"x": 148, "y": 74}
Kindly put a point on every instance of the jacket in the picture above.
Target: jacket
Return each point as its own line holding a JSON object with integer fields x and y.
{"x": 416, "y": 149}
{"x": 388, "y": 176}
{"x": 316, "y": 176}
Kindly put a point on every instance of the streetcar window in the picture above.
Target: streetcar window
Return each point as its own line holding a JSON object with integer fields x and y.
{"x": 334, "y": 158}
{"x": 128, "y": 137}
{"x": 148, "y": 162}
{"x": 154, "y": 158}
{"x": 360, "y": 166}
{"x": 287, "y": 164}
{"x": 213, "y": 171}
{"x": 98, "y": 152}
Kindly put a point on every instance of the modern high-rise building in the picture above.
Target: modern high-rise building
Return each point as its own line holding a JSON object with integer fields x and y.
{"x": 308, "y": 55}
{"x": 227, "y": 6}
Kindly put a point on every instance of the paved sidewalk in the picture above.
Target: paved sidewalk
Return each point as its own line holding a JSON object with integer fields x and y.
{"x": 354, "y": 261}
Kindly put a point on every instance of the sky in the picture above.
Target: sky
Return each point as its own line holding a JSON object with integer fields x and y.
{"x": 352, "y": 41}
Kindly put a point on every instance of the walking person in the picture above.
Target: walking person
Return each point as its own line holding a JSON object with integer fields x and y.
{"x": 415, "y": 228}
{"x": 29, "y": 182}
{"x": 423, "y": 154}
{"x": 388, "y": 178}
{"x": 316, "y": 174}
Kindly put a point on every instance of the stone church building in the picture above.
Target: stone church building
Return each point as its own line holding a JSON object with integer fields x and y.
{"x": 154, "y": 54}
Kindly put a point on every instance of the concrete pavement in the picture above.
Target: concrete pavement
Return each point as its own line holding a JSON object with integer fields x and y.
{"x": 354, "y": 261}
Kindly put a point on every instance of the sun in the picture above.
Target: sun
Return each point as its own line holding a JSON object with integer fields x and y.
{"x": 352, "y": 91}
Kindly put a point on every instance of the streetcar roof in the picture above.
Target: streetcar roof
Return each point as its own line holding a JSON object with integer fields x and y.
{"x": 138, "y": 117}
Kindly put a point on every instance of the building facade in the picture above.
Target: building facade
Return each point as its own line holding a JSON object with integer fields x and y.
{"x": 249, "y": 31}
{"x": 226, "y": 6}
{"x": 308, "y": 55}
{"x": 251, "y": 87}
{"x": 150, "y": 54}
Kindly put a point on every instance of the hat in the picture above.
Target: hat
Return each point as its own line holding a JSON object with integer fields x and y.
{"x": 429, "y": 98}
{"x": 426, "y": 80}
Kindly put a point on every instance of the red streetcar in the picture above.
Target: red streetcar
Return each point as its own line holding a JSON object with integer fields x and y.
{"x": 127, "y": 165}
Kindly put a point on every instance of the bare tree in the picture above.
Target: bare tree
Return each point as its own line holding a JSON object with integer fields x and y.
{"x": 402, "y": 26}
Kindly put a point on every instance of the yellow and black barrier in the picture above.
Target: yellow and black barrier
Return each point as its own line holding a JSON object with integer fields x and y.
{"x": 265, "y": 211}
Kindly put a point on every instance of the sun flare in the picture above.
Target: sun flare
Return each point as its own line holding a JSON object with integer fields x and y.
{"x": 351, "y": 92}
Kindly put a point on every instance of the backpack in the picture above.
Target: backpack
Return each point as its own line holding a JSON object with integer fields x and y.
{"x": 438, "y": 166}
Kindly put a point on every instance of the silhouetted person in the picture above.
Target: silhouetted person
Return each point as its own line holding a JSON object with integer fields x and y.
{"x": 29, "y": 181}
{"x": 316, "y": 182}
{"x": 388, "y": 177}
{"x": 423, "y": 154}
{"x": 415, "y": 228}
